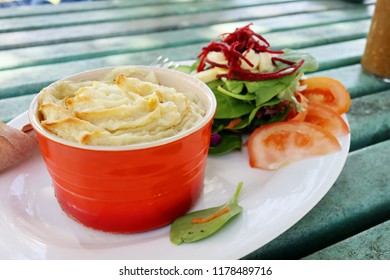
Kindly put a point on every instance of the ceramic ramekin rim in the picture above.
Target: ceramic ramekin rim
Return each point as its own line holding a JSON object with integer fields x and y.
{"x": 210, "y": 112}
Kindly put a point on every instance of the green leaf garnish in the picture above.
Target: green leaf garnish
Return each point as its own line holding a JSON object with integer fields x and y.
{"x": 203, "y": 223}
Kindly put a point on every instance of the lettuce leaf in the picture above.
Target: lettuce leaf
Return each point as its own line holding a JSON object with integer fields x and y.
{"x": 310, "y": 64}
{"x": 228, "y": 107}
{"x": 268, "y": 89}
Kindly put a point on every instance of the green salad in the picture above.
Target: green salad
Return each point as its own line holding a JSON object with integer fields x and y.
{"x": 253, "y": 84}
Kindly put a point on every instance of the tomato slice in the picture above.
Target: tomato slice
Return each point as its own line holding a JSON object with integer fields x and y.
{"x": 276, "y": 145}
{"x": 327, "y": 118}
{"x": 328, "y": 92}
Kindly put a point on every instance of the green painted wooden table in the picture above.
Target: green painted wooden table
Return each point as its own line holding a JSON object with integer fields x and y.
{"x": 40, "y": 44}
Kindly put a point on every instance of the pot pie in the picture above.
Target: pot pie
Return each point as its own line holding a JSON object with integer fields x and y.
{"x": 128, "y": 106}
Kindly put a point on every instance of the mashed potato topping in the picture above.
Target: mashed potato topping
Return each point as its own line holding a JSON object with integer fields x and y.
{"x": 125, "y": 107}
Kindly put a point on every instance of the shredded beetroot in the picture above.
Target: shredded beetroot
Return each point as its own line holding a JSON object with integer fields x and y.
{"x": 285, "y": 61}
{"x": 233, "y": 45}
{"x": 246, "y": 39}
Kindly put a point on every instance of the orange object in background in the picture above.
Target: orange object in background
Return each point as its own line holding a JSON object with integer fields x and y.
{"x": 131, "y": 188}
{"x": 376, "y": 59}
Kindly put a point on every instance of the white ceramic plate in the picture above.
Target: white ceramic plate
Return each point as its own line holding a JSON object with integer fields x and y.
{"x": 32, "y": 225}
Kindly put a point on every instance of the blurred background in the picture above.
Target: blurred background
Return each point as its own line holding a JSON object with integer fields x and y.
{"x": 12, "y": 3}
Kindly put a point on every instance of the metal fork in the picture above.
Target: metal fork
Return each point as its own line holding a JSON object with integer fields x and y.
{"x": 164, "y": 62}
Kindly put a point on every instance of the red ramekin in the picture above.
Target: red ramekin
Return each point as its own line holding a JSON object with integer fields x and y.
{"x": 132, "y": 188}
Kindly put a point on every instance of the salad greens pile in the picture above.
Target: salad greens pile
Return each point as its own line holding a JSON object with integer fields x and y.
{"x": 247, "y": 99}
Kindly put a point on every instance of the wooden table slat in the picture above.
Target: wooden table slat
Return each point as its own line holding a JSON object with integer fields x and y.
{"x": 204, "y": 14}
{"x": 369, "y": 117}
{"x": 374, "y": 241}
{"x": 109, "y": 30}
{"x": 34, "y": 10}
{"x": 106, "y": 46}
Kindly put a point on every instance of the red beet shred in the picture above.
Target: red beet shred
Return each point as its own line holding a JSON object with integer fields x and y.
{"x": 233, "y": 45}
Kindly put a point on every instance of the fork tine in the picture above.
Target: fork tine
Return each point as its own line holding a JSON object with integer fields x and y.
{"x": 160, "y": 61}
{"x": 163, "y": 62}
